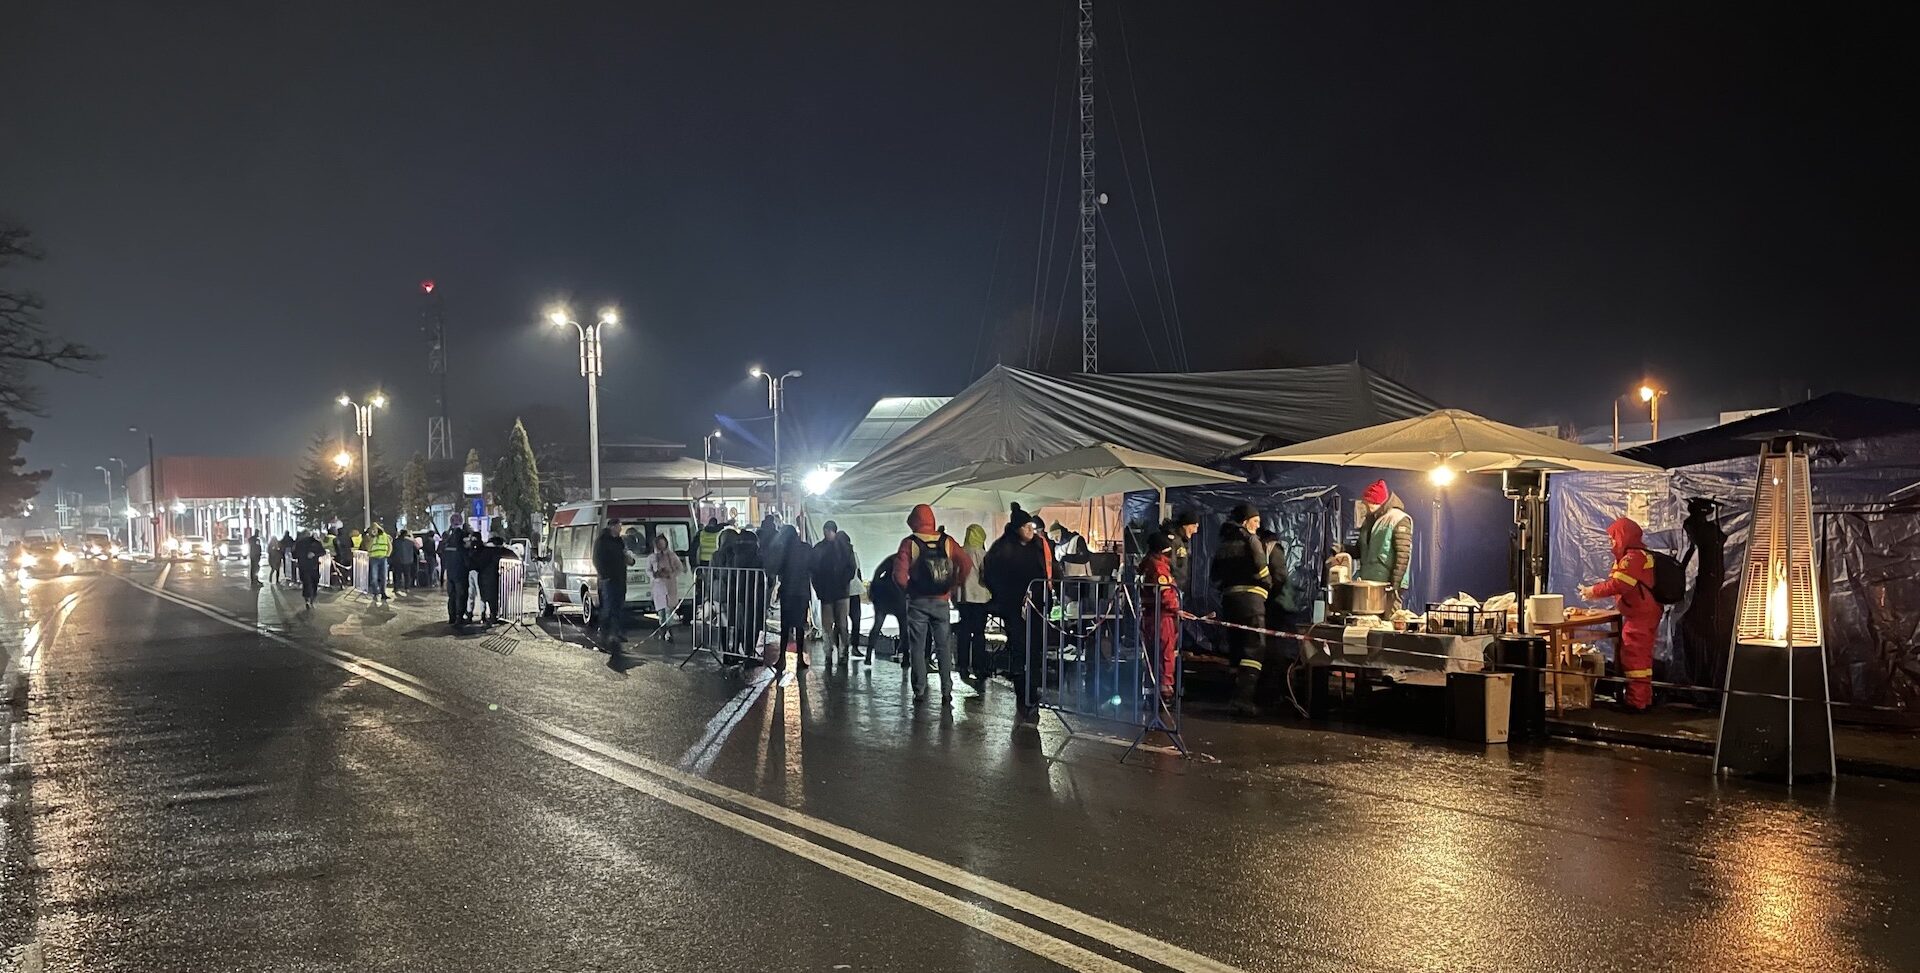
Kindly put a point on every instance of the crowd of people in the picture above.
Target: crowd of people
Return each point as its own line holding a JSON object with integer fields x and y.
{"x": 455, "y": 561}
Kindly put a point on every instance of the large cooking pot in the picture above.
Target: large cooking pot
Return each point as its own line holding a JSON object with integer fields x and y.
{"x": 1359, "y": 598}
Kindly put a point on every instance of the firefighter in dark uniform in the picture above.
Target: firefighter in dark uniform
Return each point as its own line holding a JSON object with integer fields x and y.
{"x": 1240, "y": 572}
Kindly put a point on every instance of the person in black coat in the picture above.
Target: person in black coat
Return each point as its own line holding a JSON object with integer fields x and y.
{"x": 486, "y": 563}
{"x": 745, "y": 602}
{"x": 1706, "y": 625}
{"x": 1016, "y": 560}
{"x": 888, "y": 600}
{"x": 833, "y": 575}
{"x": 453, "y": 556}
{"x": 307, "y": 552}
{"x": 429, "y": 558}
{"x": 1240, "y": 572}
{"x": 792, "y": 565}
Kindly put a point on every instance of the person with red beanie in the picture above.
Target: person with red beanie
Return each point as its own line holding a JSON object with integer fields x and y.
{"x": 1386, "y": 543}
{"x": 929, "y": 567}
{"x": 1631, "y": 588}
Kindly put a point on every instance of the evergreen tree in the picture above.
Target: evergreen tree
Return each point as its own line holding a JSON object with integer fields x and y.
{"x": 414, "y": 495}
{"x": 16, "y": 486}
{"x": 473, "y": 461}
{"x": 325, "y": 490}
{"x": 516, "y": 482}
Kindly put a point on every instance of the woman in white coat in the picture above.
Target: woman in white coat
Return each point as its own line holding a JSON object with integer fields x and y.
{"x": 664, "y": 569}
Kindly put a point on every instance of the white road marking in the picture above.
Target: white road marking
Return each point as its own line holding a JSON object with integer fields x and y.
{"x": 699, "y": 757}
{"x": 647, "y": 776}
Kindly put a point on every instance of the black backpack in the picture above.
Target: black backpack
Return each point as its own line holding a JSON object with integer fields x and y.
{"x": 1669, "y": 578}
{"x": 932, "y": 570}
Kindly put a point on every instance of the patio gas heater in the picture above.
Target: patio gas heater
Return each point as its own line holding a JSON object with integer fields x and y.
{"x": 1775, "y": 721}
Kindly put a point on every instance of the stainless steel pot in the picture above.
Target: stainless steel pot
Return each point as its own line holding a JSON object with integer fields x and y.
{"x": 1359, "y": 598}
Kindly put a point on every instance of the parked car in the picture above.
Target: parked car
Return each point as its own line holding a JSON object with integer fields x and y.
{"x": 232, "y": 549}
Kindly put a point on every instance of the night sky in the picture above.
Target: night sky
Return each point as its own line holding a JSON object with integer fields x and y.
{"x": 1517, "y": 208}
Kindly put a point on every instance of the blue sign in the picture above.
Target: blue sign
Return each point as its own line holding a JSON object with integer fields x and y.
{"x": 479, "y": 508}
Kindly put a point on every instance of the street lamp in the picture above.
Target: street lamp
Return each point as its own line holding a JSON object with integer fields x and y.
{"x": 362, "y": 424}
{"x": 106, "y": 475}
{"x": 153, "y": 494}
{"x": 1648, "y": 394}
{"x": 590, "y": 369}
{"x": 776, "y": 400}
{"x": 706, "y": 459}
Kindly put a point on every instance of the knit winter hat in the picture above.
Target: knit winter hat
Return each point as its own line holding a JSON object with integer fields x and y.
{"x": 1186, "y": 518}
{"x": 1376, "y": 494}
{"x": 1242, "y": 512}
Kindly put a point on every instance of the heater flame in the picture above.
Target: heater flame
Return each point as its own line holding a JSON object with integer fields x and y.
{"x": 1778, "y": 622}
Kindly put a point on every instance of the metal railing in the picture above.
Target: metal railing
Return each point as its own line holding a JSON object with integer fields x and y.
{"x": 730, "y": 614}
{"x": 1092, "y": 652}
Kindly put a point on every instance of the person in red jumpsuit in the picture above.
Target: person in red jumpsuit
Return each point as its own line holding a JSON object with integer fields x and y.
{"x": 1631, "y": 588}
{"x": 1161, "y": 615}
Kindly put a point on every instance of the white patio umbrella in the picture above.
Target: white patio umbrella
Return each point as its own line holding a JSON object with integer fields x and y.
{"x": 951, "y": 488}
{"x": 1450, "y": 442}
{"x": 1095, "y": 471}
{"x": 1459, "y": 442}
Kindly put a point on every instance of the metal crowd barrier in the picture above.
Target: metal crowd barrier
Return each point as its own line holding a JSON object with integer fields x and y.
{"x": 730, "y": 614}
{"x": 1089, "y": 654}
{"x": 362, "y": 571}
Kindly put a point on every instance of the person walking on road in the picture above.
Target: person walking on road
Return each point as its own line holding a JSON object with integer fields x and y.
{"x": 929, "y": 567}
{"x": 745, "y": 600}
{"x": 453, "y": 556}
{"x": 611, "y": 559}
{"x": 833, "y": 574}
{"x": 275, "y": 552}
{"x": 856, "y": 589}
{"x": 970, "y": 654}
{"x": 342, "y": 557}
{"x": 406, "y": 553}
{"x": 792, "y": 567}
{"x": 430, "y": 559}
{"x": 253, "y": 558}
{"x": 1019, "y": 558}
{"x": 286, "y": 570}
{"x": 664, "y": 571}
{"x": 379, "y": 548}
{"x": 307, "y": 552}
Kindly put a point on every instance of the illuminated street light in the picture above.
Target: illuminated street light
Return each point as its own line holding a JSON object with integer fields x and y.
{"x": 706, "y": 459}
{"x": 591, "y": 368}
{"x": 776, "y": 400}
{"x": 363, "y": 424}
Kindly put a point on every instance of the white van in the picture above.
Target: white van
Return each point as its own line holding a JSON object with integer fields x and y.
{"x": 565, "y": 572}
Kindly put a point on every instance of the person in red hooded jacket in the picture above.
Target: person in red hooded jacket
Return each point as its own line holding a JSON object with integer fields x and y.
{"x": 1631, "y": 588}
{"x": 1161, "y": 619}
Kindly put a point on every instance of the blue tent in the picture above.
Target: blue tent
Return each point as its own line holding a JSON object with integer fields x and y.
{"x": 1867, "y": 512}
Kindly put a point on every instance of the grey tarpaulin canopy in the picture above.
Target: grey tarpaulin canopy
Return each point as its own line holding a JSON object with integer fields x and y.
{"x": 1014, "y": 416}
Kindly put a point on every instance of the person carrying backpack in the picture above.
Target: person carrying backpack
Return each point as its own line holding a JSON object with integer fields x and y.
{"x": 1632, "y": 587}
{"x": 929, "y": 566}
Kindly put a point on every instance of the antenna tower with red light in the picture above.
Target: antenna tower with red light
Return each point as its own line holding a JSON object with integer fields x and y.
{"x": 433, "y": 324}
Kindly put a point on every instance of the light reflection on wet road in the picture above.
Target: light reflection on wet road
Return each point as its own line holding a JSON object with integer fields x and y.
{"x": 202, "y": 798}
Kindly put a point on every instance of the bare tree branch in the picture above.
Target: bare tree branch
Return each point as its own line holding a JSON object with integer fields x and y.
{"x": 24, "y": 341}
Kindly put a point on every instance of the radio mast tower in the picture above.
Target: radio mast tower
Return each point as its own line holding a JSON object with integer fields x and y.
{"x": 433, "y": 324}
{"x": 1089, "y": 273}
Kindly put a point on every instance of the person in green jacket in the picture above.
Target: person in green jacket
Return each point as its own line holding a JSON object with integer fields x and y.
{"x": 1386, "y": 543}
{"x": 379, "y": 547}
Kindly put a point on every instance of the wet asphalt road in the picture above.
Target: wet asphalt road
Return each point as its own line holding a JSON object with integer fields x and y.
{"x": 356, "y": 790}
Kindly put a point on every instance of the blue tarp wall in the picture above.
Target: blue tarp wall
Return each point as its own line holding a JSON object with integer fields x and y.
{"x": 1462, "y": 534}
{"x": 1870, "y": 551}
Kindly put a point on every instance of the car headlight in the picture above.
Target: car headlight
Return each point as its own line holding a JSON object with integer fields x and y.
{"x": 27, "y": 560}
{"x": 63, "y": 557}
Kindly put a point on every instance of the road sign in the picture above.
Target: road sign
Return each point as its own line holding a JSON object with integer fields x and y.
{"x": 479, "y": 505}
{"x": 470, "y": 484}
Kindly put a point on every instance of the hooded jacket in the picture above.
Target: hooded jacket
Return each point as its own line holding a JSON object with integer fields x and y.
{"x": 974, "y": 590}
{"x": 926, "y": 531}
{"x": 792, "y": 561}
{"x": 1631, "y": 583}
{"x": 1386, "y": 544}
{"x": 709, "y": 542}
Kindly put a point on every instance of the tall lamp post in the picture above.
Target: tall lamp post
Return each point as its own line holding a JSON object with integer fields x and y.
{"x": 776, "y": 400}
{"x": 1651, "y": 396}
{"x": 363, "y": 424}
{"x": 591, "y": 370}
{"x": 706, "y": 460}
{"x": 106, "y": 475}
{"x": 153, "y": 493}
{"x": 126, "y": 490}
